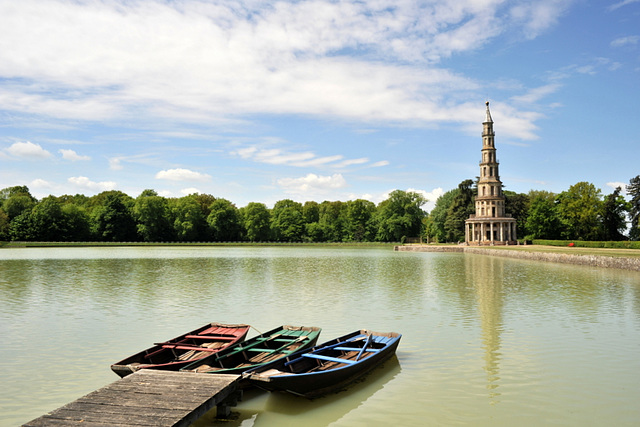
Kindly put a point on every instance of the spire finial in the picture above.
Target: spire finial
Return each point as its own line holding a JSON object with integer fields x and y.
{"x": 488, "y": 119}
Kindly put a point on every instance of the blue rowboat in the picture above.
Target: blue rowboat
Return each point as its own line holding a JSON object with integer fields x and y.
{"x": 328, "y": 367}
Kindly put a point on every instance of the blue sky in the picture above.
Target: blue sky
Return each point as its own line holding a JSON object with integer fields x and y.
{"x": 258, "y": 101}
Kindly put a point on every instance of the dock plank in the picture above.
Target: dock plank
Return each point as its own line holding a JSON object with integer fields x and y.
{"x": 146, "y": 398}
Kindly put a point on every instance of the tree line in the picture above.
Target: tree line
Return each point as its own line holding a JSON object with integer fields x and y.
{"x": 580, "y": 213}
{"x": 113, "y": 216}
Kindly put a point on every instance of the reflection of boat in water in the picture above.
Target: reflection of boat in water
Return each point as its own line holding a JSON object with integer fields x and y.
{"x": 328, "y": 367}
{"x": 262, "y": 409}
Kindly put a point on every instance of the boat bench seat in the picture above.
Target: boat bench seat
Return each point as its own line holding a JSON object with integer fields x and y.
{"x": 382, "y": 340}
{"x": 370, "y": 350}
{"x": 210, "y": 337}
{"x": 329, "y": 359}
{"x": 260, "y": 350}
{"x": 269, "y": 350}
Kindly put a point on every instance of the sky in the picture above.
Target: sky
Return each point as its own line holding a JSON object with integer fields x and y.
{"x": 256, "y": 101}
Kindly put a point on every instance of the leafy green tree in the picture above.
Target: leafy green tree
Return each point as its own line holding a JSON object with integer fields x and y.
{"x": 79, "y": 200}
{"x": 6, "y": 193}
{"x": 427, "y": 227}
{"x": 459, "y": 211}
{"x": 77, "y": 223}
{"x": 4, "y": 225}
{"x": 542, "y": 221}
{"x": 359, "y": 216}
{"x": 224, "y": 221}
{"x": 614, "y": 221}
{"x": 287, "y": 221}
{"x": 189, "y": 223}
{"x": 579, "y": 210}
{"x": 313, "y": 231}
{"x": 16, "y": 200}
{"x": 311, "y": 212}
{"x": 113, "y": 220}
{"x": 205, "y": 201}
{"x": 153, "y": 217}
{"x": 633, "y": 190}
{"x": 256, "y": 221}
{"x": 47, "y": 221}
{"x": 99, "y": 200}
{"x": 399, "y": 216}
{"x": 435, "y": 230}
{"x": 517, "y": 205}
{"x": 332, "y": 220}
{"x": 21, "y": 228}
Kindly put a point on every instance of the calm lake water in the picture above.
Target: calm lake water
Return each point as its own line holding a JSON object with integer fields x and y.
{"x": 487, "y": 341}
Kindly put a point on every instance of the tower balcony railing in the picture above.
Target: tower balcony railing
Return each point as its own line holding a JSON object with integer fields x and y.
{"x": 497, "y": 162}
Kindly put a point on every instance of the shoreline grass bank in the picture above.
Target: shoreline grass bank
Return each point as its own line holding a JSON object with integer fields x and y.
{"x": 626, "y": 259}
{"x": 364, "y": 245}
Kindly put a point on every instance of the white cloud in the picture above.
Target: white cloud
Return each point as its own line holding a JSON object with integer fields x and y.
{"x": 537, "y": 16}
{"x": 380, "y": 164}
{"x": 182, "y": 175}
{"x": 249, "y": 57}
{"x": 623, "y": 41}
{"x": 535, "y": 94}
{"x": 621, "y": 4}
{"x": 430, "y": 196}
{"x": 72, "y": 155}
{"x": 84, "y": 183}
{"x": 615, "y": 185}
{"x": 312, "y": 185}
{"x": 190, "y": 190}
{"x": 306, "y": 159}
{"x": 28, "y": 150}
{"x": 351, "y": 162}
{"x": 41, "y": 184}
{"x": 115, "y": 163}
{"x": 614, "y": 66}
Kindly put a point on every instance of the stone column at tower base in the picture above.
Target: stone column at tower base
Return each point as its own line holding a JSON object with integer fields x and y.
{"x": 490, "y": 231}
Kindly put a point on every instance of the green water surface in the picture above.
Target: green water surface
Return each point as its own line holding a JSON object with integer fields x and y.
{"x": 487, "y": 341}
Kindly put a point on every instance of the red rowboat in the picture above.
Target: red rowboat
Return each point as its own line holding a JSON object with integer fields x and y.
{"x": 180, "y": 351}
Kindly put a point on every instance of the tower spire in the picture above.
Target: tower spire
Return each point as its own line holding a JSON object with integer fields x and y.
{"x": 488, "y": 119}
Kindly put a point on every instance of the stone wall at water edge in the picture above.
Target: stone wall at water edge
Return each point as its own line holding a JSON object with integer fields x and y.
{"x": 590, "y": 260}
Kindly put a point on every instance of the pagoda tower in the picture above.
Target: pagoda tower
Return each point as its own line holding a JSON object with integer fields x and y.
{"x": 490, "y": 225}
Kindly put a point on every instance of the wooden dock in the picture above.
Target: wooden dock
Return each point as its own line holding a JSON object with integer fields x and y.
{"x": 148, "y": 398}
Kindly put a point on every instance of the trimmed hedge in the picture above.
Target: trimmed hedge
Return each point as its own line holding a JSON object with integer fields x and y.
{"x": 625, "y": 244}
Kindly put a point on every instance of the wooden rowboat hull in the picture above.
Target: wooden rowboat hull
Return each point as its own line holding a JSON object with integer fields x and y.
{"x": 180, "y": 351}
{"x": 320, "y": 372}
{"x": 264, "y": 348}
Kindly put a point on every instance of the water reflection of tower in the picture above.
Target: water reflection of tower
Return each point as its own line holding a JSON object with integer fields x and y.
{"x": 486, "y": 275}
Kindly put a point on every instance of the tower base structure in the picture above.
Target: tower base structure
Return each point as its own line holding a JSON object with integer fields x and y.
{"x": 490, "y": 231}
